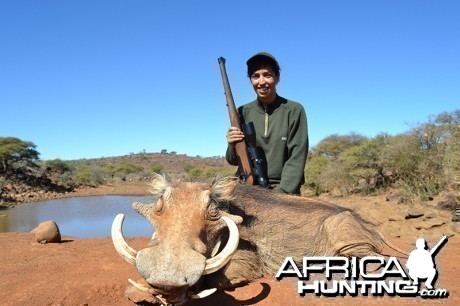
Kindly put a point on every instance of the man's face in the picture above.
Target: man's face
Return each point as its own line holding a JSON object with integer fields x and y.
{"x": 264, "y": 83}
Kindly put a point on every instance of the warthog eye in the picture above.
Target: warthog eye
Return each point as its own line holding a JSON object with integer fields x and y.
{"x": 212, "y": 212}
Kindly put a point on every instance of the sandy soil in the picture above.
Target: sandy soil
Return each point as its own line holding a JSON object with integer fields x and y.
{"x": 89, "y": 272}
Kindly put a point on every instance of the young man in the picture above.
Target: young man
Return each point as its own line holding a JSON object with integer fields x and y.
{"x": 280, "y": 124}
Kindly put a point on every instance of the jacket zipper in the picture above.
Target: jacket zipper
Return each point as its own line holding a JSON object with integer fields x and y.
{"x": 266, "y": 123}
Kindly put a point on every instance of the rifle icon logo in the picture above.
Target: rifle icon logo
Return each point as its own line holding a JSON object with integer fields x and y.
{"x": 421, "y": 262}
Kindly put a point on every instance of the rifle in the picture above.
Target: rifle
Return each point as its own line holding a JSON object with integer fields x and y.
{"x": 438, "y": 245}
{"x": 250, "y": 162}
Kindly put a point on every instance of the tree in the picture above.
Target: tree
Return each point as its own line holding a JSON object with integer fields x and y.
{"x": 334, "y": 145}
{"x": 14, "y": 150}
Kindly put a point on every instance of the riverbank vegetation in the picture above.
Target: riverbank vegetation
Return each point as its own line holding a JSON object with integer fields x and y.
{"x": 417, "y": 164}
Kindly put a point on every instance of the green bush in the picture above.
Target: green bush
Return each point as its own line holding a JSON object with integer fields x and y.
{"x": 315, "y": 166}
{"x": 206, "y": 172}
{"x": 127, "y": 169}
{"x": 57, "y": 165}
{"x": 155, "y": 168}
{"x": 188, "y": 167}
{"x": 83, "y": 177}
{"x": 332, "y": 146}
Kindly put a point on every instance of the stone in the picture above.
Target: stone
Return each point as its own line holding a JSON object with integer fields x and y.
{"x": 435, "y": 222}
{"x": 456, "y": 227}
{"x": 47, "y": 232}
{"x": 391, "y": 198}
{"x": 431, "y": 215}
{"x": 421, "y": 225}
{"x": 429, "y": 224}
{"x": 414, "y": 213}
{"x": 395, "y": 218}
{"x": 449, "y": 203}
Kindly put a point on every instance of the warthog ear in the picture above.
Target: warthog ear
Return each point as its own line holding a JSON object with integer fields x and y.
{"x": 159, "y": 184}
{"x": 222, "y": 188}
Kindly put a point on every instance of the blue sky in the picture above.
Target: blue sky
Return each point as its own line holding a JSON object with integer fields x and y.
{"x": 86, "y": 79}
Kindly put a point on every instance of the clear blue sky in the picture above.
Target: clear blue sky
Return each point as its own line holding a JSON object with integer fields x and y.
{"x": 87, "y": 78}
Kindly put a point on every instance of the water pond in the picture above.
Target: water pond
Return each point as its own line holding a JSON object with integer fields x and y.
{"x": 82, "y": 217}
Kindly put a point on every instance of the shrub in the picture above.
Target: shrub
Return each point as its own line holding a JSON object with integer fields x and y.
{"x": 315, "y": 166}
{"x": 196, "y": 172}
{"x": 57, "y": 165}
{"x": 155, "y": 168}
{"x": 83, "y": 177}
{"x": 334, "y": 145}
{"x": 336, "y": 179}
{"x": 127, "y": 169}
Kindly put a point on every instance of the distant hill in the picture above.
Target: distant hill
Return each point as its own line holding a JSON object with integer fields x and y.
{"x": 175, "y": 165}
{"x": 56, "y": 178}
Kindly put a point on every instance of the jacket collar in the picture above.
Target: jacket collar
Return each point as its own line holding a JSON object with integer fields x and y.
{"x": 269, "y": 108}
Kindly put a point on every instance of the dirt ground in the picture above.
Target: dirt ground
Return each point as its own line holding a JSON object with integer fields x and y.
{"x": 90, "y": 272}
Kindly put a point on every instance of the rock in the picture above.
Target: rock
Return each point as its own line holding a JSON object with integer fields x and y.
{"x": 449, "y": 203}
{"x": 431, "y": 215}
{"x": 47, "y": 232}
{"x": 395, "y": 218}
{"x": 456, "y": 227}
{"x": 414, "y": 213}
{"x": 435, "y": 222}
{"x": 391, "y": 198}
{"x": 421, "y": 225}
{"x": 429, "y": 224}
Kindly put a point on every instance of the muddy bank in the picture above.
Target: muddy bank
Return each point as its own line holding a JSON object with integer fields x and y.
{"x": 122, "y": 188}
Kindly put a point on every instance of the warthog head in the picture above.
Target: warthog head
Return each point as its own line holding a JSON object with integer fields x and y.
{"x": 188, "y": 224}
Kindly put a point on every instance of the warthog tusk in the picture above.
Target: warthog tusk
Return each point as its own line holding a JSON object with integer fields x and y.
{"x": 220, "y": 260}
{"x": 142, "y": 287}
{"x": 216, "y": 248}
{"x": 128, "y": 253}
{"x": 202, "y": 294}
{"x": 155, "y": 294}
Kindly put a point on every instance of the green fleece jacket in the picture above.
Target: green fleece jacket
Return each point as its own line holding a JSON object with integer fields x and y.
{"x": 282, "y": 134}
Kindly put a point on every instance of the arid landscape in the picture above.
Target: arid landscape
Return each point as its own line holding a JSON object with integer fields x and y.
{"x": 405, "y": 185}
{"x": 89, "y": 272}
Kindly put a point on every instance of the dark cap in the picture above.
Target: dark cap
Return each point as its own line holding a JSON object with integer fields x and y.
{"x": 263, "y": 57}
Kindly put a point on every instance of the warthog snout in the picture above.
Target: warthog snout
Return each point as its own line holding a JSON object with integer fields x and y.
{"x": 165, "y": 268}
